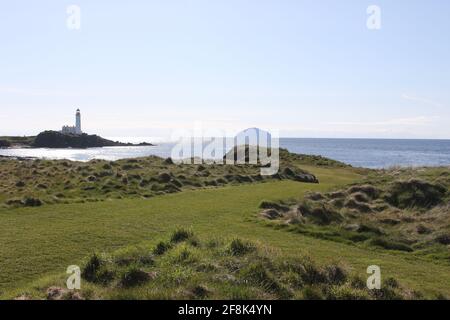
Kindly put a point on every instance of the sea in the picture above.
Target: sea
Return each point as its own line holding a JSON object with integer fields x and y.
{"x": 367, "y": 153}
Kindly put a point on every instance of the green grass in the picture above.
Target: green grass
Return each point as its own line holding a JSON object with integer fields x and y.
{"x": 43, "y": 241}
{"x": 44, "y": 182}
{"x": 401, "y": 209}
{"x": 212, "y": 269}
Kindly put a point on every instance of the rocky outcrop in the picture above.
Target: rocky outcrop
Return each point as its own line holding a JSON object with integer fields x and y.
{"x": 4, "y": 144}
{"x": 54, "y": 139}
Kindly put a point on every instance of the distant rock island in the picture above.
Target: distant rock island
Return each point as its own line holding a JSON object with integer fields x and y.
{"x": 68, "y": 137}
{"x": 55, "y": 139}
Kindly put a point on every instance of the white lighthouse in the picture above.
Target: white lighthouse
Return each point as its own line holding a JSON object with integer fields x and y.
{"x": 74, "y": 129}
{"x": 78, "y": 122}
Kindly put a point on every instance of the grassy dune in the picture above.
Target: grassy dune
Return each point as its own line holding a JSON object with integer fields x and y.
{"x": 401, "y": 209}
{"x": 37, "y": 182}
{"x": 38, "y": 243}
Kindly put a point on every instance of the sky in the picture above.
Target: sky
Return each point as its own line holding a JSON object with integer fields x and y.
{"x": 307, "y": 68}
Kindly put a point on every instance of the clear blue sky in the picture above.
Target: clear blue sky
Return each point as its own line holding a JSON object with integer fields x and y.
{"x": 308, "y": 68}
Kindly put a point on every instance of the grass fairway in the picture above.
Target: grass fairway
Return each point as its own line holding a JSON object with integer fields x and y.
{"x": 42, "y": 241}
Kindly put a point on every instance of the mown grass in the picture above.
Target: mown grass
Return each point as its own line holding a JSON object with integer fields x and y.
{"x": 41, "y": 241}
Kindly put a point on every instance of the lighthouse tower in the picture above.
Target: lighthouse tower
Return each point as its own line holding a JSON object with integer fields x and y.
{"x": 78, "y": 122}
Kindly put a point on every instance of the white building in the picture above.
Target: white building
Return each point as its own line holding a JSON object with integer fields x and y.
{"x": 74, "y": 129}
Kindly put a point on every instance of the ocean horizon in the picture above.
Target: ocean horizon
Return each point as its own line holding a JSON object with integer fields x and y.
{"x": 358, "y": 152}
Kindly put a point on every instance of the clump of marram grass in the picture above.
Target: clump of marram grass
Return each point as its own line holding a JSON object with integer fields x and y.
{"x": 390, "y": 211}
{"x": 319, "y": 213}
{"x": 181, "y": 235}
{"x": 273, "y": 205}
{"x": 31, "y": 202}
{"x": 367, "y": 189}
{"x": 257, "y": 274}
{"x": 161, "y": 248}
{"x": 415, "y": 193}
{"x": 133, "y": 276}
{"x": 240, "y": 247}
{"x": 96, "y": 270}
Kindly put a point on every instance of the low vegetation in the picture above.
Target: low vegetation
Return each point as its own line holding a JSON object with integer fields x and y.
{"x": 400, "y": 209}
{"x": 37, "y": 182}
{"x": 397, "y": 219}
{"x": 213, "y": 269}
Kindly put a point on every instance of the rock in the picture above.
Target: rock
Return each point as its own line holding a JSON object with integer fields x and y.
{"x": 5, "y": 144}
{"x": 54, "y": 139}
